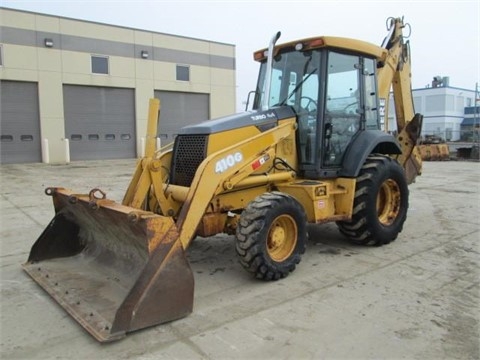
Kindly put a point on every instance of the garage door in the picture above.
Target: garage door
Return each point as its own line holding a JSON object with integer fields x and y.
{"x": 179, "y": 109}
{"x": 19, "y": 123}
{"x": 99, "y": 122}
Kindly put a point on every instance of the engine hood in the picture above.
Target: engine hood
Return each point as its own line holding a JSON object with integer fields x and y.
{"x": 262, "y": 119}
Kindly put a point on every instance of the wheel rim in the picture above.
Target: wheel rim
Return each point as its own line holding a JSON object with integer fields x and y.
{"x": 388, "y": 202}
{"x": 282, "y": 238}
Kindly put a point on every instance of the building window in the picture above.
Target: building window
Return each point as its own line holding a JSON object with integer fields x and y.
{"x": 1, "y": 55}
{"x": 26, "y": 138}
{"x": 99, "y": 64}
{"x": 183, "y": 73}
{"x": 6, "y": 138}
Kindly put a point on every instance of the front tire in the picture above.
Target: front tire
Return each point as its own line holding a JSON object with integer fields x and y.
{"x": 380, "y": 205}
{"x": 271, "y": 236}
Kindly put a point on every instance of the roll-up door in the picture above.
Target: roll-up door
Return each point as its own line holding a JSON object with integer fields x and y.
{"x": 99, "y": 122}
{"x": 19, "y": 123}
{"x": 179, "y": 109}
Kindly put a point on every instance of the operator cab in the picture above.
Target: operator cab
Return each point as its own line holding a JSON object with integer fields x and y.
{"x": 332, "y": 91}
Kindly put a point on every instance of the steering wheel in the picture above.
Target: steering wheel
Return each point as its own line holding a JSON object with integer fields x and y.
{"x": 309, "y": 102}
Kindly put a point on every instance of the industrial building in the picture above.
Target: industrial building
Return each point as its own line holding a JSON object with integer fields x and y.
{"x": 446, "y": 110}
{"x": 78, "y": 90}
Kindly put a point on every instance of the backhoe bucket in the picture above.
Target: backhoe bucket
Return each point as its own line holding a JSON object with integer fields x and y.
{"x": 115, "y": 269}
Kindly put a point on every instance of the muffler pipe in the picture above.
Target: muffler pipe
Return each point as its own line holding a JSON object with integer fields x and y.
{"x": 268, "y": 75}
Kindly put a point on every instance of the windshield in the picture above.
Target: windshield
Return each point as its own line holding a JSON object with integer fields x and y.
{"x": 294, "y": 81}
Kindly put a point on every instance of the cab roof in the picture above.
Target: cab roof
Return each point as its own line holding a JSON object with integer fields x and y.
{"x": 334, "y": 42}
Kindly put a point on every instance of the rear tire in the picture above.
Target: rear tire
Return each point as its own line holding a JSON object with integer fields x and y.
{"x": 380, "y": 205}
{"x": 271, "y": 236}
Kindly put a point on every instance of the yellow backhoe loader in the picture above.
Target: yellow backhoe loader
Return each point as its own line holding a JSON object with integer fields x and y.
{"x": 312, "y": 150}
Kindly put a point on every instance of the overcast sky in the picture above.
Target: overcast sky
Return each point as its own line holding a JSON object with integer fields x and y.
{"x": 445, "y": 37}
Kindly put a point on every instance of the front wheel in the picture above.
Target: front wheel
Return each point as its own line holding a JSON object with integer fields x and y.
{"x": 271, "y": 236}
{"x": 380, "y": 204}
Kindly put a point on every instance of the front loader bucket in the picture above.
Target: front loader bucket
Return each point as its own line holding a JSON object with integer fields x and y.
{"x": 113, "y": 268}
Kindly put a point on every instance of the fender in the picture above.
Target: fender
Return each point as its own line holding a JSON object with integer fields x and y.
{"x": 366, "y": 143}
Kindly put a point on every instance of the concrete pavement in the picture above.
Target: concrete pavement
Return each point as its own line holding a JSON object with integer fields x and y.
{"x": 417, "y": 298}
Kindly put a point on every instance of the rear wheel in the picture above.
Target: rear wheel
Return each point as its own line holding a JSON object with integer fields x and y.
{"x": 271, "y": 236}
{"x": 380, "y": 204}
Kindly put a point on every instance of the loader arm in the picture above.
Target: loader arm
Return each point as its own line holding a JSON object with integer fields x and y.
{"x": 150, "y": 171}
{"x": 212, "y": 178}
{"x": 142, "y": 177}
{"x": 395, "y": 73}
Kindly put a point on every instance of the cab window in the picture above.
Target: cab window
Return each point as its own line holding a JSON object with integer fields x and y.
{"x": 342, "y": 106}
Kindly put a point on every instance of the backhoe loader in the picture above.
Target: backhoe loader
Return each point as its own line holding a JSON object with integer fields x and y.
{"x": 312, "y": 150}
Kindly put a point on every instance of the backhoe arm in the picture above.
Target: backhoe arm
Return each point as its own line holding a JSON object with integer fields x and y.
{"x": 395, "y": 73}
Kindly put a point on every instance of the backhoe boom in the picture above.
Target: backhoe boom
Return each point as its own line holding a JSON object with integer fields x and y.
{"x": 395, "y": 73}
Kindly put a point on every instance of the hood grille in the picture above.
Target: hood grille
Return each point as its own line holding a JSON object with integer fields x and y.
{"x": 188, "y": 153}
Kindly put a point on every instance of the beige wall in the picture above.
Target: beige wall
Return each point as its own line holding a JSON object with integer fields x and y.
{"x": 53, "y": 67}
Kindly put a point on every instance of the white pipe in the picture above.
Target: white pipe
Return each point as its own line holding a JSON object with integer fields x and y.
{"x": 159, "y": 143}
{"x": 268, "y": 75}
{"x": 46, "y": 152}
{"x": 67, "y": 151}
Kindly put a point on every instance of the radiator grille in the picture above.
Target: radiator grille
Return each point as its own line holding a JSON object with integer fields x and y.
{"x": 189, "y": 152}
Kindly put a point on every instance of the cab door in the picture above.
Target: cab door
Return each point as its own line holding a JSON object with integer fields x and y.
{"x": 343, "y": 104}
{"x": 350, "y": 106}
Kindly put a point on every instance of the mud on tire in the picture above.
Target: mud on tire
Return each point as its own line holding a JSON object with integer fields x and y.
{"x": 380, "y": 204}
{"x": 271, "y": 236}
